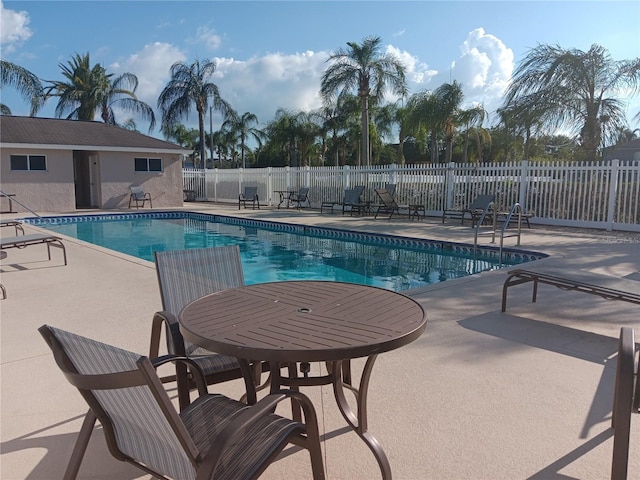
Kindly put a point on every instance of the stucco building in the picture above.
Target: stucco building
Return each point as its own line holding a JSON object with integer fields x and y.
{"x": 56, "y": 165}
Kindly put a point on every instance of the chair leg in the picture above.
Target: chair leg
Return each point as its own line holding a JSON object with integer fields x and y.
{"x": 81, "y": 446}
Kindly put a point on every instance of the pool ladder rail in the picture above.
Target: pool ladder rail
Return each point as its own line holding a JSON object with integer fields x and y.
{"x": 516, "y": 209}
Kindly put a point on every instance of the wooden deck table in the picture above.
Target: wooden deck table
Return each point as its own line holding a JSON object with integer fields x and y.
{"x": 296, "y": 322}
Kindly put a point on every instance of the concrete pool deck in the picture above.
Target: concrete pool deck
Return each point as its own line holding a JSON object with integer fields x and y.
{"x": 482, "y": 394}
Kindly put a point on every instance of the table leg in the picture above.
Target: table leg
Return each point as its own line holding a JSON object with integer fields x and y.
{"x": 358, "y": 420}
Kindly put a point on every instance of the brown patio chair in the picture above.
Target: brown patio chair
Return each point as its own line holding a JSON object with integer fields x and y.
{"x": 184, "y": 276}
{"x": 473, "y": 212}
{"x": 250, "y": 194}
{"x": 352, "y": 201}
{"x": 215, "y": 437}
{"x": 300, "y": 197}
{"x": 387, "y": 203}
{"x": 626, "y": 400}
{"x": 138, "y": 195}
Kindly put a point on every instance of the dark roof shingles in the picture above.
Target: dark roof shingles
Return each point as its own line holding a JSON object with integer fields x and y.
{"x": 54, "y": 131}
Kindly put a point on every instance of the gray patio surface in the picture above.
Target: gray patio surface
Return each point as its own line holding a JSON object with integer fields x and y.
{"x": 481, "y": 395}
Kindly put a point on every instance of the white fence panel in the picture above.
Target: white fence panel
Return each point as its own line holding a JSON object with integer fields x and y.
{"x": 597, "y": 195}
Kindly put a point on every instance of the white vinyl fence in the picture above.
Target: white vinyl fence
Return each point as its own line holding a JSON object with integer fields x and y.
{"x": 580, "y": 194}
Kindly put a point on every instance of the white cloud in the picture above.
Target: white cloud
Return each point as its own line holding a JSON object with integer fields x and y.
{"x": 151, "y": 65}
{"x": 261, "y": 85}
{"x": 207, "y": 37}
{"x": 484, "y": 68}
{"x": 418, "y": 73}
{"x": 13, "y": 28}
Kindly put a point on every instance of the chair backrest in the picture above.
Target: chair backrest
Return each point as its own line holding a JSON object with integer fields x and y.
{"x": 185, "y": 275}
{"x": 125, "y": 394}
{"x": 137, "y": 192}
{"x": 250, "y": 192}
{"x": 391, "y": 188}
{"x": 386, "y": 198}
{"x": 352, "y": 195}
{"x": 302, "y": 194}
{"x": 482, "y": 202}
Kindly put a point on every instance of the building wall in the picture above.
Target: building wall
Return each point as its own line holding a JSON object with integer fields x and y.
{"x": 53, "y": 190}
{"x": 41, "y": 191}
{"x": 117, "y": 173}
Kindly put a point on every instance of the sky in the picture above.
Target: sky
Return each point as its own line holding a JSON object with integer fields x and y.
{"x": 272, "y": 54}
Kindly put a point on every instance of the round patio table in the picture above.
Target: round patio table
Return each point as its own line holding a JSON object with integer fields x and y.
{"x": 296, "y": 322}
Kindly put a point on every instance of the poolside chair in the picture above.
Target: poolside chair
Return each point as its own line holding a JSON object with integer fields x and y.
{"x": 216, "y": 437}
{"x": 15, "y": 224}
{"x": 626, "y": 400}
{"x": 352, "y": 201}
{"x": 184, "y": 276}
{"x": 23, "y": 241}
{"x": 391, "y": 188}
{"x": 387, "y": 203}
{"x": 300, "y": 197}
{"x": 481, "y": 204}
{"x": 138, "y": 195}
{"x": 250, "y": 194}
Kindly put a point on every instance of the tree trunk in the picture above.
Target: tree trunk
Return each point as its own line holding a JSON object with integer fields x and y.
{"x": 365, "y": 129}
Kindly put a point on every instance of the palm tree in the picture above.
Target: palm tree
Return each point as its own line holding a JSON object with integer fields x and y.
{"x": 449, "y": 97}
{"x": 573, "y": 90}
{"x": 365, "y": 68}
{"x": 473, "y": 118}
{"x": 121, "y": 94}
{"x": 190, "y": 85}
{"x": 89, "y": 90}
{"x": 241, "y": 126}
{"x": 28, "y": 85}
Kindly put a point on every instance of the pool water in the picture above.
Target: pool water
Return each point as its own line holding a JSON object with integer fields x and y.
{"x": 272, "y": 251}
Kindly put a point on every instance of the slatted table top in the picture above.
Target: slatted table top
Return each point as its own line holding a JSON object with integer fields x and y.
{"x": 303, "y": 321}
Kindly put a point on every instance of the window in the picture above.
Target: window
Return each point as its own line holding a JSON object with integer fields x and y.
{"x": 147, "y": 164}
{"x": 28, "y": 162}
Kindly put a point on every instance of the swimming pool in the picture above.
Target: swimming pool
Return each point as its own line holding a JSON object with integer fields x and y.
{"x": 273, "y": 251}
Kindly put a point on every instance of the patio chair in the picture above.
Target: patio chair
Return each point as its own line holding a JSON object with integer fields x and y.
{"x": 138, "y": 195}
{"x": 250, "y": 194}
{"x": 15, "y": 224}
{"x": 184, "y": 276}
{"x": 353, "y": 201}
{"x": 23, "y": 241}
{"x": 216, "y": 437}
{"x": 474, "y": 212}
{"x": 391, "y": 188}
{"x": 626, "y": 400}
{"x": 387, "y": 203}
{"x": 300, "y": 197}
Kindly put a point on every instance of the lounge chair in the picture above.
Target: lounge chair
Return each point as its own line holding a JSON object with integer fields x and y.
{"x": 391, "y": 188}
{"x": 626, "y": 400}
{"x": 352, "y": 201}
{"x": 184, "y": 276}
{"x": 15, "y": 224}
{"x": 23, "y": 241}
{"x": 250, "y": 194}
{"x": 216, "y": 437}
{"x": 387, "y": 203}
{"x": 481, "y": 204}
{"x": 138, "y": 195}
{"x": 300, "y": 197}
{"x": 608, "y": 287}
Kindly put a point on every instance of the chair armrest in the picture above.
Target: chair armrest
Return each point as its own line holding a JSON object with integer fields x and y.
{"x": 196, "y": 371}
{"x": 249, "y": 415}
{"x": 172, "y": 329}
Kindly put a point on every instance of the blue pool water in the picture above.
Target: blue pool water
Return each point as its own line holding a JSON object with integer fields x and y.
{"x": 274, "y": 251}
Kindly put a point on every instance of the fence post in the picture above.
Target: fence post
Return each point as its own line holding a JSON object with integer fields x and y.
{"x": 270, "y": 185}
{"x": 449, "y": 179}
{"x": 613, "y": 192}
{"x": 522, "y": 193}
{"x": 307, "y": 175}
{"x": 287, "y": 170}
{"x": 346, "y": 176}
